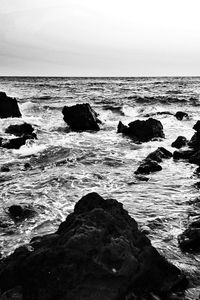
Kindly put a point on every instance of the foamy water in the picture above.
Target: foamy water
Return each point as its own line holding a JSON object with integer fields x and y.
{"x": 66, "y": 166}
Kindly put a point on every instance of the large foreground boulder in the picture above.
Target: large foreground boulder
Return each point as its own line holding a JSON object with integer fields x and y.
{"x": 81, "y": 117}
{"x": 8, "y": 107}
{"x": 98, "y": 253}
{"x": 142, "y": 131}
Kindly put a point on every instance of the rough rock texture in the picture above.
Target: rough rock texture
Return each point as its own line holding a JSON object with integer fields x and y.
{"x": 142, "y": 131}
{"x": 8, "y": 107}
{"x": 189, "y": 240}
{"x": 81, "y": 117}
{"x": 195, "y": 158}
{"x": 180, "y": 115}
{"x": 180, "y": 142}
{"x": 98, "y": 253}
{"x": 150, "y": 163}
{"x": 21, "y": 129}
{"x": 196, "y": 126}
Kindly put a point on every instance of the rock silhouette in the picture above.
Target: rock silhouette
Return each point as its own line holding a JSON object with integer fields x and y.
{"x": 8, "y": 107}
{"x": 81, "y": 117}
{"x": 97, "y": 253}
{"x": 142, "y": 131}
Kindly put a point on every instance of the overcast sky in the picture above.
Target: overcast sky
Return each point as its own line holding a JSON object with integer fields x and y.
{"x": 100, "y": 37}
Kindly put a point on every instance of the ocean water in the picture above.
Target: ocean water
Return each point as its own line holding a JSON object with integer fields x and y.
{"x": 65, "y": 166}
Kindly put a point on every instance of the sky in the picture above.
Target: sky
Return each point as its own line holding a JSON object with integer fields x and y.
{"x": 99, "y": 38}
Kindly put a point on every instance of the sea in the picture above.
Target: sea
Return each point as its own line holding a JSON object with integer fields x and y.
{"x": 64, "y": 166}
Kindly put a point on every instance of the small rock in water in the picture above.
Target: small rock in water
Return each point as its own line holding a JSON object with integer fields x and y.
{"x": 180, "y": 142}
{"x": 19, "y": 213}
{"x": 81, "y": 117}
{"x": 148, "y": 166}
{"x": 8, "y": 107}
{"x": 186, "y": 154}
{"x": 98, "y": 253}
{"x": 5, "y": 169}
{"x": 189, "y": 240}
{"x": 180, "y": 115}
{"x": 20, "y": 130}
{"x": 142, "y": 131}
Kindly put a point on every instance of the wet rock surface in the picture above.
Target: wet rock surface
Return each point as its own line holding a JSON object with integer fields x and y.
{"x": 97, "y": 253}
{"x": 8, "y": 107}
{"x": 180, "y": 115}
{"x": 21, "y": 212}
{"x": 142, "y": 131}
{"x": 81, "y": 117}
{"x": 189, "y": 240}
{"x": 180, "y": 142}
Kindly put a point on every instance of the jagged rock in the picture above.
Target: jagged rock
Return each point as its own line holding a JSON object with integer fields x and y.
{"x": 180, "y": 142}
{"x": 148, "y": 166}
{"x": 189, "y": 240}
{"x": 186, "y": 154}
{"x": 97, "y": 253}
{"x": 8, "y": 107}
{"x": 142, "y": 131}
{"x": 81, "y": 117}
{"x": 19, "y": 212}
{"x": 180, "y": 115}
{"x": 159, "y": 154}
{"x": 21, "y": 129}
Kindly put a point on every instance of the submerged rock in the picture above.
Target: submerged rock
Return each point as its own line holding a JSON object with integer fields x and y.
{"x": 8, "y": 107}
{"x": 180, "y": 142}
{"x": 21, "y": 129}
{"x": 98, "y": 253}
{"x": 19, "y": 212}
{"x": 81, "y": 117}
{"x": 180, "y": 115}
{"x": 142, "y": 131}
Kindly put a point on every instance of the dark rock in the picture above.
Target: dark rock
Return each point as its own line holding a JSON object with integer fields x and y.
{"x": 8, "y": 107}
{"x": 186, "y": 154}
{"x": 5, "y": 169}
{"x": 197, "y": 126}
{"x": 15, "y": 143}
{"x": 19, "y": 213}
{"x": 195, "y": 141}
{"x": 97, "y": 253}
{"x": 142, "y": 131}
{"x": 159, "y": 154}
{"x": 148, "y": 166}
{"x": 180, "y": 142}
{"x": 189, "y": 240}
{"x": 81, "y": 117}
{"x": 19, "y": 130}
{"x": 195, "y": 158}
{"x": 27, "y": 166}
{"x": 180, "y": 115}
